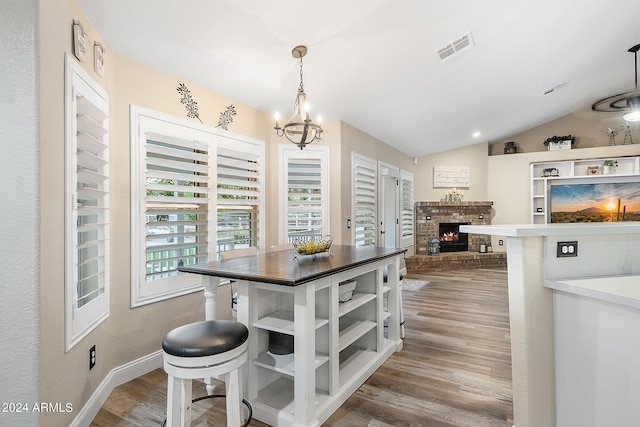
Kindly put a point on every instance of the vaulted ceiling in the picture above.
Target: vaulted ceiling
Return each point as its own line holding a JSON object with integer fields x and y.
{"x": 375, "y": 63}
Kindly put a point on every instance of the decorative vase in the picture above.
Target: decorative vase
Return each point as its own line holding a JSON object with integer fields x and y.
{"x": 607, "y": 170}
{"x": 509, "y": 147}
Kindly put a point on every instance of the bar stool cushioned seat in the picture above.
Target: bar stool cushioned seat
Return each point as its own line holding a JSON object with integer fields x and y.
{"x": 211, "y": 348}
{"x": 205, "y": 338}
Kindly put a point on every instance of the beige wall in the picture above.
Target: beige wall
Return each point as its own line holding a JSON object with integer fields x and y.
{"x": 474, "y": 157}
{"x": 63, "y": 376}
{"x": 355, "y": 140}
{"x": 589, "y": 128}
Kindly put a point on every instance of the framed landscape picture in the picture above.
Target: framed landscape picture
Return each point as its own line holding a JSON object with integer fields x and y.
{"x": 595, "y": 202}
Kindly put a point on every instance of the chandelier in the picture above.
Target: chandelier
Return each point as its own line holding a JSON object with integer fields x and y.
{"x": 628, "y": 101}
{"x": 300, "y": 129}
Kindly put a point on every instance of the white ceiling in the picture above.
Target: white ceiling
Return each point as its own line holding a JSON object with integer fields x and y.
{"x": 373, "y": 63}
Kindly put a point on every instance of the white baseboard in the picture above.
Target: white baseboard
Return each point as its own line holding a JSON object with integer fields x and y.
{"x": 116, "y": 377}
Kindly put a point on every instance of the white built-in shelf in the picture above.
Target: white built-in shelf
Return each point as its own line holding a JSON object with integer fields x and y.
{"x": 285, "y": 363}
{"x": 351, "y": 329}
{"x": 352, "y": 361}
{"x": 279, "y": 394}
{"x": 357, "y": 300}
{"x": 574, "y": 171}
{"x": 359, "y": 348}
{"x": 282, "y": 321}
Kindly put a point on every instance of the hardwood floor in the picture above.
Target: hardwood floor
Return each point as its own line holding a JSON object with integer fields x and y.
{"x": 454, "y": 369}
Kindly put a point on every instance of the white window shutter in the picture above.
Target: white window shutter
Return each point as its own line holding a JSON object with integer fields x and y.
{"x": 406, "y": 209}
{"x": 176, "y": 204}
{"x": 87, "y": 204}
{"x": 364, "y": 207}
{"x": 195, "y": 191}
{"x": 239, "y": 198}
{"x": 304, "y": 179}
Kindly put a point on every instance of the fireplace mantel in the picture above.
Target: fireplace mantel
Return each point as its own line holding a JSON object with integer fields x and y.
{"x": 458, "y": 204}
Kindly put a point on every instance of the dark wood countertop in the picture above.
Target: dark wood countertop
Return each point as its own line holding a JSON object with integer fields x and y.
{"x": 282, "y": 268}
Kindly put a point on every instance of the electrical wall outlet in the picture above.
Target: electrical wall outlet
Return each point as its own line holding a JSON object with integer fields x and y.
{"x": 500, "y": 242}
{"x": 92, "y": 357}
{"x": 567, "y": 249}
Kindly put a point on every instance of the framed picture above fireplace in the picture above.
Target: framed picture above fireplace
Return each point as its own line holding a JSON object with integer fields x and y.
{"x": 450, "y": 177}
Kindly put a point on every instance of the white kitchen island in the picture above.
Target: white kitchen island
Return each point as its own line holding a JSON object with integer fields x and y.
{"x": 337, "y": 346}
{"x": 604, "y": 249}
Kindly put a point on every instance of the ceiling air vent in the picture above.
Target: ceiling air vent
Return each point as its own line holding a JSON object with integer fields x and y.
{"x": 555, "y": 88}
{"x": 454, "y": 48}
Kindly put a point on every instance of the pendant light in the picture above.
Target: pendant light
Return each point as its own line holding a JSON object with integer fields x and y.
{"x": 300, "y": 129}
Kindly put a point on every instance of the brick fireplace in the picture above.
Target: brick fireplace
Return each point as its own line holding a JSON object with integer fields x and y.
{"x": 429, "y": 215}
{"x": 428, "y": 219}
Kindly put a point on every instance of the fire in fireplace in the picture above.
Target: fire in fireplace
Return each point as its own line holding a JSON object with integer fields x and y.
{"x": 451, "y": 239}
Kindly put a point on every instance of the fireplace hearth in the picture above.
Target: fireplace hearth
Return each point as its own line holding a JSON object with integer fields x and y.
{"x": 451, "y": 239}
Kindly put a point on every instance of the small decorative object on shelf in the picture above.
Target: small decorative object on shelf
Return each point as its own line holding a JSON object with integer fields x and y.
{"x": 453, "y": 195}
{"x": 313, "y": 247}
{"x": 189, "y": 103}
{"x": 510, "y": 147}
{"x": 434, "y": 247}
{"x": 550, "y": 172}
{"x": 559, "y": 142}
{"x": 612, "y": 136}
{"x": 627, "y": 133}
{"x": 593, "y": 170}
{"x": 345, "y": 290}
{"x": 609, "y": 167}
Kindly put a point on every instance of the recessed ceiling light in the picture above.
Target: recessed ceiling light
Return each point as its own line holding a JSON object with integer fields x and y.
{"x": 476, "y": 134}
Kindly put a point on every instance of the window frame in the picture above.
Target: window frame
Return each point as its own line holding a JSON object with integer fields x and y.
{"x": 145, "y": 122}
{"x": 86, "y": 223}
{"x": 310, "y": 152}
{"x": 361, "y": 164}
{"x": 407, "y": 209}
{"x": 255, "y": 151}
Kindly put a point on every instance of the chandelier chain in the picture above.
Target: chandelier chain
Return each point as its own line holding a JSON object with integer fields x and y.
{"x": 301, "y": 88}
